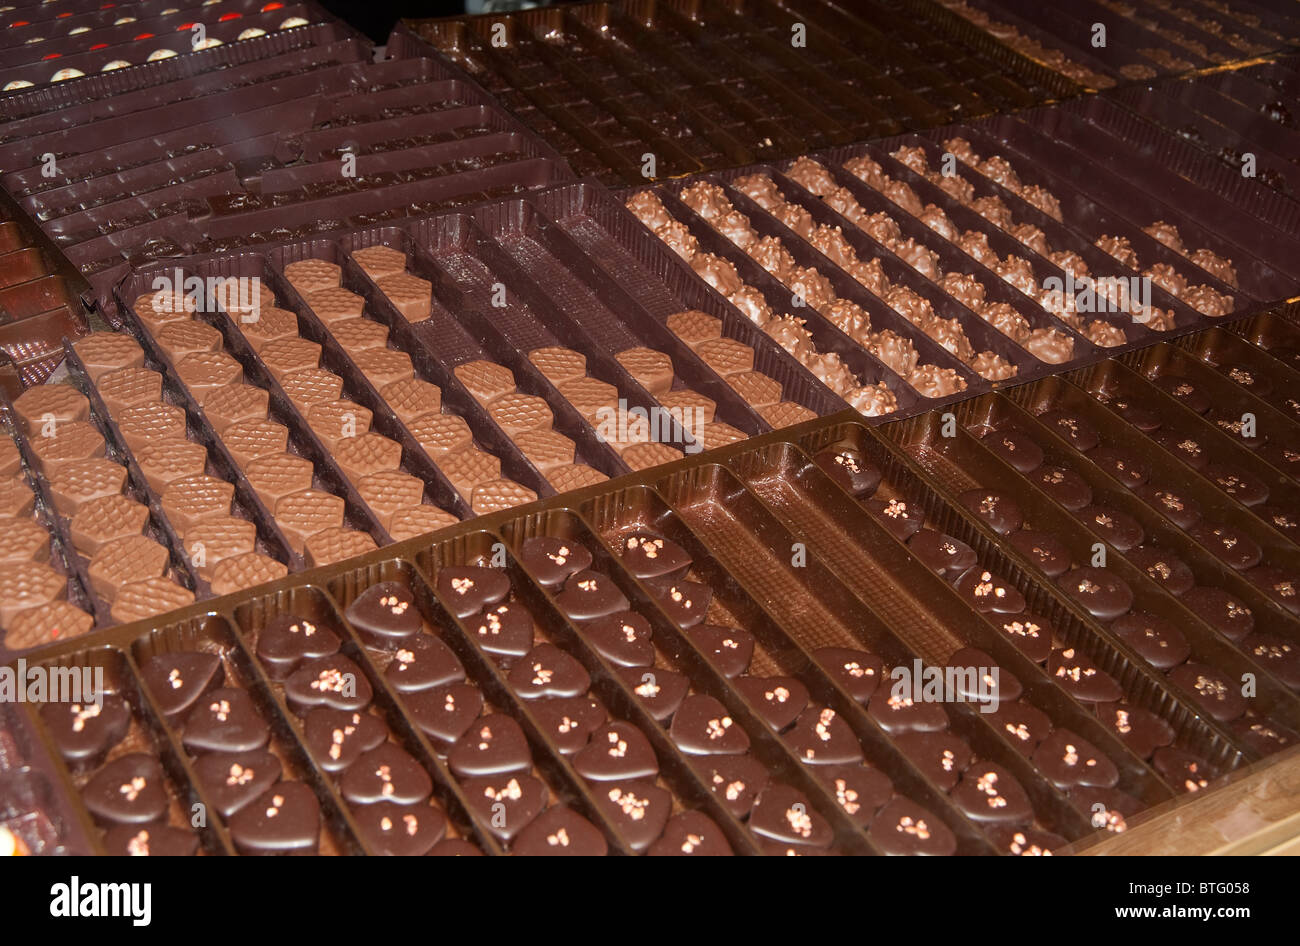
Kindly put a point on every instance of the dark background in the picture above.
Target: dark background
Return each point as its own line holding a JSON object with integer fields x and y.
{"x": 376, "y": 18}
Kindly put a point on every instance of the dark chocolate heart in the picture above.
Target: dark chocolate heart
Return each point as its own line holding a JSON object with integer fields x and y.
{"x": 385, "y": 615}
{"x": 1175, "y": 507}
{"x": 1021, "y": 725}
{"x": 660, "y": 691}
{"x": 232, "y": 780}
{"x": 505, "y": 804}
{"x": 859, "y": 790}
{"x": 552, "y": 561}
{"x": 647, "y": 555}
{"x": 639, "y": 810}
{"x": 176, "y": 681}
{"x": 901, "y": 518}
{"x": 400, "y": 830}
{"x": 903, "y": 827}
{"x": 468, "y": 589}
{"x": 494, "y": 745}
{"x": 85, "y": 732}
{"x": 778, "y": 700}
{"x": 624, "y": 639}
{"x": 989, "y": 593}
{"x": 288, "y": 640}
{"x": 285, "y": 820}
{"x": 589, "y": 595}
{"x": 1157, "y": 641}
{"x": 1117, "y": 529}
{"x": 858, "y": 672}
{"x": 1142, "y": 731}
{"x": 900, "y": 714}
{"x": 691, "y": 834}
{"x": 337, "y": 738}
{"x": 333, "y": 681}
{"x": 1026, "y": 842}
{"x": 1029, "y": 632}
{"x": 989, "y": 793}
{"x": 685, "y": 602}
{"x": 503, "y": 630}
{"x": 1216, "y": 692}
{"x": 1103, "y": 594}
{"x": 703, "y": 726}
{"x": 421, "y": 663}
{"x": 548, "y": 671}
{"x": 568, "y": 721}
{"x": 225, "y": 720}
{"x": 942, "y": 756}
{"x": 977, "y": 678}
{"x": 851, "y": 470}
{"x": 444, "y": 713}
{"x": 784, "y": 814}
{"x": 129, "y": 790}
{"x": 1045, "y": 551}
{"x": 821, "y": 737}
{"x": 1182, "y": 769}
{"x": 947, "y": 557}
{"x": 386, "y": 773}
{"x": 1017, "y": 449}
{"x": 152, "y": 840}
{"x": 1079, "y": 675}
{"x": 736, "y": 780}
{"x": 1065, "y": 487}
{"x": 996, "y": 509}
{"x": 617, "y": 752}
{"x": 728, "y": 649}
{"x": 560, "y": 831}
{"x": 1072, "y": 428}
{"x": 455, "y": 847}
{"x": 1068, "y": 759}
{"x": 1121, "y": 465}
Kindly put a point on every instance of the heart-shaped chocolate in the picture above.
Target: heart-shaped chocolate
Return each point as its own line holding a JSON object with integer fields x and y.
{"x": 386, "y": 773}
{"x": 857, "y": 671}
{"x": 333, "y": 681}
{"x": 176, "y": 681}
{"x": 736, "y": 780}
{"x": 1183, "y": 770}
{"x": 947, "y": 557}
{"x": 153, "y": 840}
{"x": 1118, "y": 529}
{"x": 1045, "y": 551}
{"x": 989, "y": 793}
{"x": 647, "y": 555}
{"x": 1065, "y": 487}
{"x": 288, "y": 640}
{"x": 1142, "y": 731}
{"x": 903, "y": 827}
{"x": 455, "y": 847}
{"x": 337, "y": 738}
{"x": 494, "y": 745}
{"x": 468, "y": 589}
{"x": 234, "y": 779}
{"x": 639, "y": 810}
{"x": 503, "y": 630}
{"x": 728, "y": 649}
{"x": 568, "y": 721}
{"x": 444, "y": 713}
{"x": 996, "y": 509}
{"x": 1026, "y": 842}
{"x": 225, "y": 720}
{"x": 624, "y": 639}
{"x": 849, "y": 468}
{"x": 1021, "y": 725}
{"x": 385, "y": 615}
{"x": 783, "y": 813}
{"x": 421, "y": 663}
{"x": 859, "y": 790}
{"x": 821, "y": 737}
{"x": 691, "y": 834}
{"x": 660, "y": 691}
{"x": 1067, "y": 760}
{"x": 505, "y": 804}
{"x": 1216, "y": 692}
{"x": 977, "y": 678}
{"x": 400, "y": 830}
{"x": 1071, "y": 427}
{"x": 685, "y": 602}
{"x": 942, "y": 756}
{"x": 703, "y": 726}
{"x": 1157, "y": 641}
{"x": 548, "y": 671}
{"x": 285, "y": 820}
{"x": 902, "y": 519}
{"x": 1029, "y": 632}
{"x": 1016, "y": 448}
{"x": 1105, "y": 595}
{"x": 1076, "y": 673}
{"x": 988, "y": 593}
{"x": 552, "y": 560}
{"x": 616, "y": 752}
{"x": 900, "y": 714}
{"x": 778, "y": 700}
{"x": 129, "y": 790}
{"x": 85, "y": 732}
{"x": 557, "y": 832}
{"x": 589, "y": 595}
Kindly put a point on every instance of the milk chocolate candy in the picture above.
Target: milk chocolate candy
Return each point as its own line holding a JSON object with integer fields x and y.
{"x": 643, "y": 456}
{"x": 336, "y": 304}
{"x": 592, "y": 398}
{"x": 785, "y": 414}
{"x": 755, "y": 389}
{"x": 45, "y": 403}
{"x": 64, "y": 444}
{"x": 191, "y": 499}
{"x": 156, "y": 309}
{"x": 367, "y": 453}
{"x": 234, "y": 403}
{"x": 497, "y": 494}
{"x": 485, "y": 380}
{"x": 411, "y": 398}
{"x": 11, "y": 463}
{"x": 726, "y": 356}
{"x": 101, "y": 352}
{"x": 249, "y": 440}
{"x": 181, "y": 338}
{"x": 388, "y": 490}
{"x": 558, "y": 365}
{"x": 205, "y": 371}
{"x": 653, "y": 370}
{"x": 151, "y": 423}
{"x": 406, "y": 522}
{"x": 302, "y": 514}
{"x": 22, "y": 540}
{"x": 245, "y": 570}
{"x": 46, "y": 623}
{"x": 312, "y": 275}
{"x": 16, "y": 497}
{"x": 383, "y": 366}
{"x": 102, "y": 520}
{"x": 166, "y": 461}
{"x": 26, "y": 585}
{"x": 468, "y": 467}
{"x": 277, "y": 475}
{"x": 310, "y": 387}
{"x": 356, "y": 335}
{"x": 410, "y": 295}
{"x": 213, "y": 540}
{"x": 287, "y": 355}
{"x": 379, "y": 260}
{"x": 79, "y": 482}
{"x": 440, "y": 434}
{"x": 694, "y": 327}
{"x": 336, "y": 544}
{"x": 333, "y": 421}
{"x": 125, "y": 560}
{"x": 545, "y": 449}
{"x": 270, "y": 325}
